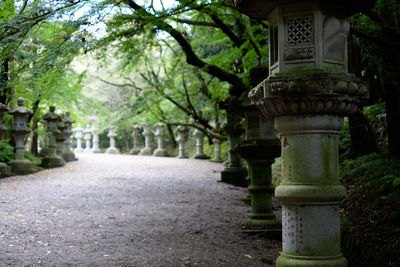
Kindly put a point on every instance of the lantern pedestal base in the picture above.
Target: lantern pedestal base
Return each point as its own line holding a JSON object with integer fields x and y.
{"x": 96, "y": 150}
{"x": 235, "y": 176}
{"x": 69, "y": 156}
{"x": 288, "y": 260}
{"x": 5, "y": 170}
{"x": 268, "y": 225}
{"x": 112, "y": 150}
{"x": 134, "y": 151}
{"x": 52, "y": 162}
{"x": 21, "y": 167}
{"x": 160, "y": 153}
{"x": 146, "y": 152}
{"x": 201, "y": 156}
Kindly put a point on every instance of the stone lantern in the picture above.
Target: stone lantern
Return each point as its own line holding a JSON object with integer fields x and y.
{"x": 20, "y": 128}
{"x": 68, "y": 155}
{"x": 217, "y": 150}
{"x": 61, "y": 135}
{"x": 88, "y": 138}
{"x": 78, "y": 136}
{"x": 5, "y": 170}
{"x": 199, "y": 135}
{"x": 182, "y": 139}
{"x": 307, "y": 93}
{"x": 234, "y": 173}
{"x": 112, "y": 149}
{"x": 135, "y": 136}
{"x": 259, "y": 148}
{"x": 146, "y": 151}
{"x": 52, "y": 160}
{"x": 159, "y": 133}
{"x": 95, "y": 140}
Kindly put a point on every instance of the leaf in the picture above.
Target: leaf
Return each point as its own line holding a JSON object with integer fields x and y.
{"x": 396, "y": 182}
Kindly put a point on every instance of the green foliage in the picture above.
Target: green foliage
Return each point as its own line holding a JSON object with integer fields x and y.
{"x": 371, "y": 233}
{"x": 6, "y": 151}
{"x": 28, "y": 155}
{"x": 377, "y": 115}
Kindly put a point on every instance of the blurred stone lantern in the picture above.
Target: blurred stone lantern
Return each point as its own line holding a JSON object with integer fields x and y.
{"x": 61, "y": 135}
{"x": 88, "y": 138}
{"x": 307, "y": 93}
{"x": 78, "y": 135}
{"x": 183, "y": 132}
{"x": 95, "y": 140}
{"x": 234, "y": 173}
{"x": 159, "y": 133}
{"x": 135, "y": 136}
{"x": 259, "y": 148}
{"x": 199, "y": 135}
{"x": 52, "y": 160}
{"x": 5, "y": 170}
{"x": 68, "y": 155}
{"x": 112, "y": 149}
{"x": 146, "y": 151}
{"x": 20, "y": 128}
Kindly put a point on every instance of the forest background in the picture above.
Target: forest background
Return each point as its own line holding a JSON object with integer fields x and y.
{"x": 188, "y": 63}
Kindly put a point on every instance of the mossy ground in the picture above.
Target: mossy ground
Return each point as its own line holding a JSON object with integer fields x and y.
{"x": 371, "y": 211}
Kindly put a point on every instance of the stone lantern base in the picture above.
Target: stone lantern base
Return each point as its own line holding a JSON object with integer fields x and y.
{"x": 235, "y": 176}
{"x": 134, "y": 151}
{"x": 5, "y": 170}
{"x": 22, "y": 167}
{"x": 146, "y": 152}
{"x": 259, "y": 155}
{"x": 69, "y": 156}
{"x": 52, "y": 162}
{"x": 112, "y": 150}
{"x": 160, "y": 153}
{"x": 201, "y": 156}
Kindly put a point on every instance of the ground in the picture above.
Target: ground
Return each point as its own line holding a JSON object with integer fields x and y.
{"x": 123, "y": 210}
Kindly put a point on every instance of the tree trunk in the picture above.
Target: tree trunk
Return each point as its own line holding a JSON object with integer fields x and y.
{"x": 390, "y": 74}
{"x": 171, "y": 136}
{"x": 362, "y": 134}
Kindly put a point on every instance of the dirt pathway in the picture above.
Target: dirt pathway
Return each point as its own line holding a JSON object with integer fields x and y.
{"x": 120, "y": 210}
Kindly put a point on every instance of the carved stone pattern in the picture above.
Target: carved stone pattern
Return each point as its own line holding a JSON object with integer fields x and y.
{"x": 299, "y": 31}
{"x": 299, "y": 53}
{"x": 313, "y": 84}
{"x": 278, "y": 106}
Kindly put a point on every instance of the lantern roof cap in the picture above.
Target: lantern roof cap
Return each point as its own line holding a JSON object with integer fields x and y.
{"x": 20, "y": 109}
{"x": 260, "y": 9}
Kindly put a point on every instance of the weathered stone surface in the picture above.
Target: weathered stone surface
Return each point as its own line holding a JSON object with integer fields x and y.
{"x": 307, "y": 93}
{"x": 78, "y": 135}
{"x": 68, "y": 155}
{"x": 147, "y": 150}
{"x": 20, "y": 128}
{"x": 52, "y": 160}
{"x": 159, "y": 133}
{"x": 95, "y": 140}
{"x": 217, "y": 150}
{"x": 112, "y": 149}
{"x": 88, "y": 137}
{"x": 199, "y": 135}
{"x": 135, "y": 136}
{"x": 234, "y": 173}
{"x": 182, "y": 139}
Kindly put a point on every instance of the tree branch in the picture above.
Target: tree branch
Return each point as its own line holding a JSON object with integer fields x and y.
{"x": 191, "y": 57}
{"x": 373, "y": 39}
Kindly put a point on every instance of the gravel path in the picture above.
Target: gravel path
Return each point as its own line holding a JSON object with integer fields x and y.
{"x": 122, "y": 210}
